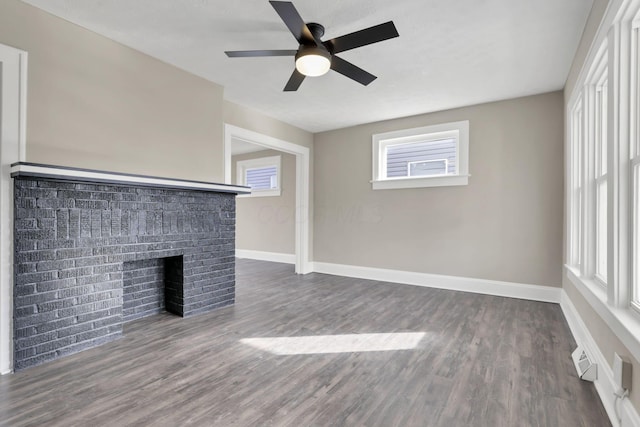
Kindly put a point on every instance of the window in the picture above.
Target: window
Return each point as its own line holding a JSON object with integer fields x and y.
{"x": 588, "y": 179}
{"x": 262, "y": 175}
{"x": 430, "y": 156}
{"x": 265, "y": 178}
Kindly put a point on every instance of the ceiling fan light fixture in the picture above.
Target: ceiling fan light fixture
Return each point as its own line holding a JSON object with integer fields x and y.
{"x": 313, "y": 61}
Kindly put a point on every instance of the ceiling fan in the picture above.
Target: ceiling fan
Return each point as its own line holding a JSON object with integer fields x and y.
{"x": 315, "y": 57}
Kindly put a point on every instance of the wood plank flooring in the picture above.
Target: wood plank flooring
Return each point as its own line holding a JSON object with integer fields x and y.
{"x": 483, "y": 361}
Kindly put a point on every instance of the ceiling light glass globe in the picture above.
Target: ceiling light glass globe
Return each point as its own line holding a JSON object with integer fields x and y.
{"x": 313, "y": 64}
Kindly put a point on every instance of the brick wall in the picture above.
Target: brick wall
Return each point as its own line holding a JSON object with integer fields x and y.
{"x": 142, "y": 288}
{"x": 73, "y": 239}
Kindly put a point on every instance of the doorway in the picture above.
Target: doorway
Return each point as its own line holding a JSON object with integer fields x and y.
{"x": 303, "y": 170}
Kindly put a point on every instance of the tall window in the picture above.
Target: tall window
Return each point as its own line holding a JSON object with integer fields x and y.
{"x": 588, "y": 177}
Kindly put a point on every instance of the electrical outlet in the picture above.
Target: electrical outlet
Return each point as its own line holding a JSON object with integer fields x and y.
{"x": 621, "y": 372}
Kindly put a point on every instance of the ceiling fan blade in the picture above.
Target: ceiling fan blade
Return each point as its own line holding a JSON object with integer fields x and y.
{"x": 294, "y": 22}
{"x": 252, "y": 53}
{"x": 347, "y": 69}
{"x": 364, "y": 37}
{"x": 294, "y": 81}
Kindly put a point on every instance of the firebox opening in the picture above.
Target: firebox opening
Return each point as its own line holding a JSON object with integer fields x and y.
{"x": 152, "y": 286}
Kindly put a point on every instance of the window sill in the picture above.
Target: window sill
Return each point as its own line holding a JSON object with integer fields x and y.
{"x": 434, "y": 181}
{"x": 624, "y": 323}
{"x": 262, "y": 193}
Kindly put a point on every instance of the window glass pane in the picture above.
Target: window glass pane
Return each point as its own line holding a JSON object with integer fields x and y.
{"x": 576, "y": 184}
{"x": 636, "y": 232}
{"x": 601, "y": 229}
{"x": 427, "y": 158}
{"x": 602, "y": 130}
{"x": 600, "y": 184}
{"x": 262, "y": 178}
{"x": 577, "y": 228}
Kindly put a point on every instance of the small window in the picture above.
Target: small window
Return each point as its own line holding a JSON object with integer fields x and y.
{"x": 265, "y": 178}
{"x": 262, "y": 175}
{"x": 430, "y": 156}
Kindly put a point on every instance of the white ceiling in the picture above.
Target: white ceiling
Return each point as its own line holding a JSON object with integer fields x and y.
{"x": 450, "y": 53}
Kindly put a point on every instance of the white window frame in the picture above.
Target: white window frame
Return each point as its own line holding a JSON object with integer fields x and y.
{"x": 242, "y": 166}
{"x": 457, "y": 130}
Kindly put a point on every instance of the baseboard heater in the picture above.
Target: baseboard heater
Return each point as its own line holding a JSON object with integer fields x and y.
{"x": 587, "y": 369}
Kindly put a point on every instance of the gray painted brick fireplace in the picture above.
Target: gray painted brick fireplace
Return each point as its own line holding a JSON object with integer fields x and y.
{"x": 91, "y": 255}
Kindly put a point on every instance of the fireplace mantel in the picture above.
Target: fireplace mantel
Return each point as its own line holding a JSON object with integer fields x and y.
{"x": 24, "y": 169}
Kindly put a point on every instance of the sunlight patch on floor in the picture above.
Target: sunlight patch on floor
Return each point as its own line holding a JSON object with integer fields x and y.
{"x": 347, "y": 343}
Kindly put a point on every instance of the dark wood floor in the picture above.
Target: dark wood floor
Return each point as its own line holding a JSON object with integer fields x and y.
{"x": 482, "y": 361}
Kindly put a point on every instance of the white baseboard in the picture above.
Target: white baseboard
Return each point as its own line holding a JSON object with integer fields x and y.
{"x": 266, "y": 256}
{"x": 604, "y": 384}
{"x": 479, "y": 286}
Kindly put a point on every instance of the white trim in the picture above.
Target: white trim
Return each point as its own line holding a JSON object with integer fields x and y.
{"x": 454, "y": 283}
{"x": 604, "y": 384}
{"x": 303, "y": 178}
{"x": 13, "y": 107}
{"x": 623, "y": 322}
{"x": 22, "y": 156}
{"x": 423, "y": 181}
{"x": 266, "y": 256}
{"x": 100, "y": 176}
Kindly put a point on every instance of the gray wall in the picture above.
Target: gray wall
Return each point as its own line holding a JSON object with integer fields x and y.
{"x": 94, "y": 103}
{"x": 505, "y": 225}
{"x": 268, "y": 223}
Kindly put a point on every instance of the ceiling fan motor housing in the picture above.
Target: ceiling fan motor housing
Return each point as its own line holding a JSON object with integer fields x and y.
{"x": 316, "y": 29}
